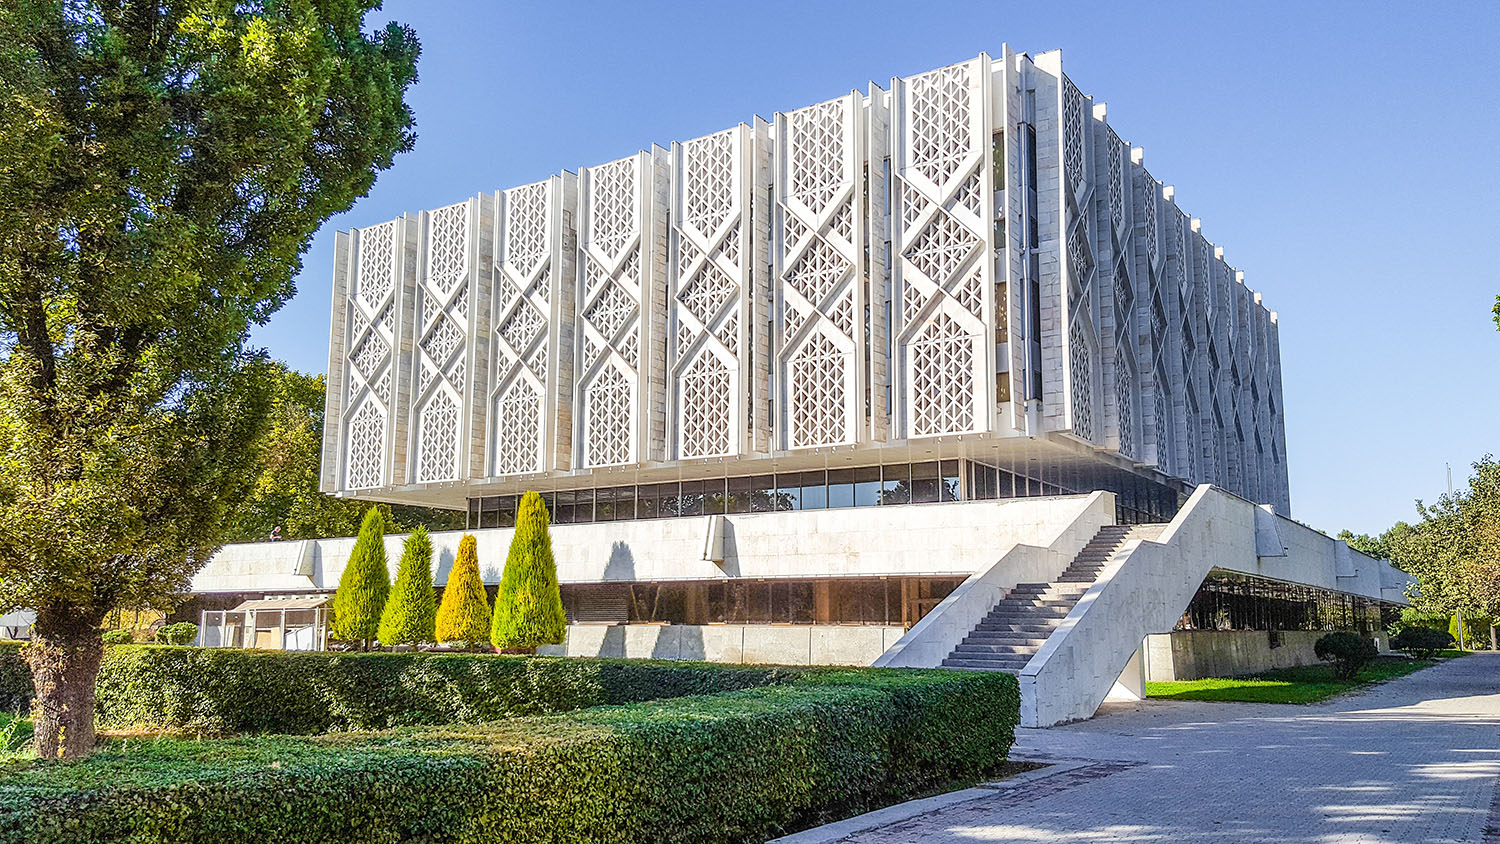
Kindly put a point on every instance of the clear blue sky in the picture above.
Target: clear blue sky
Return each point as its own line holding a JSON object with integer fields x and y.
{"x": 1343, "y": 154}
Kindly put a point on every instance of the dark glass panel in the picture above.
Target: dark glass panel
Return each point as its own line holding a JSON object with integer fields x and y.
{"x": 840, "y": 488}
{"x": 814, "y": 490}
{"x": 924, "y": 482}
{"x": 867, "y": 486}
{"x": 740, "y": 494}
{"x": 895, "y": 484}
{"x": 788, "y": 491}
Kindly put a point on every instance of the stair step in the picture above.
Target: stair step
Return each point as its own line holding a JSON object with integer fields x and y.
{"x": 986, "y": 648}
{"x": 984, "y": 664}
{"x": 1039, "y": 626}
{"x": 1012, "y": 616}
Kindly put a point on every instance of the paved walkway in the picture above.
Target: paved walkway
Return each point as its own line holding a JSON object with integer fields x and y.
{"x": 1411, "y": 760}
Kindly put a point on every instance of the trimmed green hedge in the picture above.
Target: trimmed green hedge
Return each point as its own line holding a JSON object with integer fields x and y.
{"x": 215, "y": 690}
{"x": 736, "y": 766}
{"x": 222, "y": 690}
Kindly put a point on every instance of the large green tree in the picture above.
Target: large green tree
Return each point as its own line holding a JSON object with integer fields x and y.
{"x": 162, "y": 167}
{"x": 285, "y": 493}
{"x": 1454, "y": 551}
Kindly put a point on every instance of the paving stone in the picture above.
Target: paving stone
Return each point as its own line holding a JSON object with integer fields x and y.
{"x": 1412, "y": 760}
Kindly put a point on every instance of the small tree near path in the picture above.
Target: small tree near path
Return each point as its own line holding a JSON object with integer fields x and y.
{"x": 463, "y": 619}
{"x": 411, "y": 612}
{"x": 529, "y": 610}
{"x": 364, "y": 585}
{"x": 163, "y": 167}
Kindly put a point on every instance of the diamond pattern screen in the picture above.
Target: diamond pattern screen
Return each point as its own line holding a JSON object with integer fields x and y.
{"x": 520, "y": 337}
{"x": 818, "y": 263}
{"x": 837, "y": 275}
{"x": 942, "y": 237}
{"x": 611, "y": 304}
{"x": 370, "y": 338}
{"x": 707, "y": 293}
{"x": 442, "y": 321}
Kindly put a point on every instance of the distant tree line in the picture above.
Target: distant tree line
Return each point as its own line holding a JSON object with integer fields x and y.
{"x": 1453, "y": 552}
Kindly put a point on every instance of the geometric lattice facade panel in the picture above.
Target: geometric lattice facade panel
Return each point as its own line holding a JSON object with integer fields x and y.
{"x": 369, "y": 362}
{"x": 710, "y": 292}
{"x": 622, "y": 211}
{"x": 531, "y": 290}
{"x": 945, "y": 267}
{"x": 972, "y": 256}
{"x": 819, "y": 273}
{"x": 440, "y": 359}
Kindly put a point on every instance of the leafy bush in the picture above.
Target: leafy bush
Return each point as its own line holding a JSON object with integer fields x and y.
{"x": 464, "y": 616}
{"x": 364, "y": 585}
{"x": 1476, "y": 631}
{"x": 117, "y": 637}
{"x": 1348, "y": 652}
{"x": 16, "y": 690}
{"x": 528, "y": 608}
{"x": 411, "y": 612}
{"x": 739, "y": 766}
{"x": 1421, "y": 642}
{"x": 226, "y": 690}
{"x": 181, "y": 633}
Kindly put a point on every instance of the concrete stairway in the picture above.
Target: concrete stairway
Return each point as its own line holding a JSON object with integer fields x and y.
{"x": 1010, "y": 635}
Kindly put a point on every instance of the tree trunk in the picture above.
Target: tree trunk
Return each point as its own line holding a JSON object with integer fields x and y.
{"x": 64, "y": 655}
{"x": 1494, "y": 646}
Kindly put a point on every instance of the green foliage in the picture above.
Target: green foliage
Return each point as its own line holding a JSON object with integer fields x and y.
{"x": 162, "y": 168}
{"x": 1371, "y": 546}
{"x": 411, "y": 612}
{"x": 117, "y": 637}
{"x": 364, "y": 586}
{"x": 16, "y": 689}
{"x": 1421, "y": 642}
{"x": 528, "y": 608}
{"x": 1454, "y": 552}
{"x": 181, "y": 633}
{"x": 1413, "y": 617}
{"x": 737, "y": 766}
{"x": 224, "y": 690}
{"x": 1348, "y": 652}
{"x": 1476, "y": 631}
{"x": 286, "y": 493}
{"x": 464, "y": 616}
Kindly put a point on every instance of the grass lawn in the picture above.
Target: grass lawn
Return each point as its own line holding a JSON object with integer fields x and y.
{"x": 1307, "y": 684}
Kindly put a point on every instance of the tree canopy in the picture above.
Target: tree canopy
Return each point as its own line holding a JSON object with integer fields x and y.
{"x": 1454, "y": 551}
{"x": 162, "y": 168}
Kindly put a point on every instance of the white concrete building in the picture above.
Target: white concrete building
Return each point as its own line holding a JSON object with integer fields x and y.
{"x": 789, "y": 387}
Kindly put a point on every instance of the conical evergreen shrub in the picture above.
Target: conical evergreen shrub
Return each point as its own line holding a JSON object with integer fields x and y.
{"x": 411, "y": 613}
{"x": 364, "y": 586}
{"x": 464, "y": 616}
{"x": 529, "y": 610}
